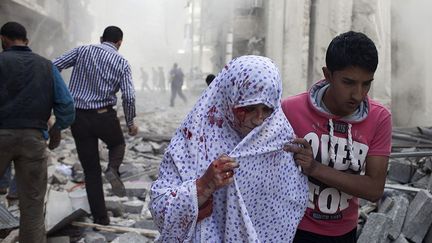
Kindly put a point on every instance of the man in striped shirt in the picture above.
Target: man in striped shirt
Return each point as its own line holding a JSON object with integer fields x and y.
{"x": 99, "y": 73}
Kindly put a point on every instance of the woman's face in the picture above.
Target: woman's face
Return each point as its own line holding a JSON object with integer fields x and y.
{"x": 246, "y": 118}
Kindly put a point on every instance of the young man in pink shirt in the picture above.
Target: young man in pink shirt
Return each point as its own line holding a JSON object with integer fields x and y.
{"x": 345, "y": 138}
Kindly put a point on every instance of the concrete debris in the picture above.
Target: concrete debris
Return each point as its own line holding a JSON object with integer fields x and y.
{"x": 140, "y": 167}
{"x": 401, "y": 216}
{"x": 132, "y": 238}
{"x": 94, "y": 237}
{"x": 59, "y": 239}
{"x": 376, "y": 229}
{"x": 418, "y": 218}
{"x": 135, "y": 206}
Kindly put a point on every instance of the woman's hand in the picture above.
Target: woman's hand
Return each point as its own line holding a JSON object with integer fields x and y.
{"x": 219, "y": 174}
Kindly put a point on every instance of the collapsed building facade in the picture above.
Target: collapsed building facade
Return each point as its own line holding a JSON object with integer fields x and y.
{"x": 295, "y": 34}
{"x": 52, "y": 26}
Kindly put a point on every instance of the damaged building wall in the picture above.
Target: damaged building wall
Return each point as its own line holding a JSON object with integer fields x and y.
{"x": 372, "y": 17}
{"x": 288, "y": 41}
{"x": 411, "y": 47}
{"x": 52, "y": 26}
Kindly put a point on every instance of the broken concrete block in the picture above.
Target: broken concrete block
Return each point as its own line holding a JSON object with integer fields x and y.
{"x": 58, "y": 206}
{"x": 428, "y": 237}
{"x": 418, "y": 218}
{"x": 7, "y": 219}
{"x": 114, "y": 204}
{"x": 136, "y": 188}
{"x": 109, "y": 236}
{"x": 135, "y": 206}
{"x": 130, "y": 170}
{"x": 427, "y": 166}
{"x": 401, "y": 239}
{"x": 12, "y": 237}
{"x": 59, "y": 239}
{"x": 78, "y": 199}
{"x": 401, "y": 171}
{"x": 418, "y": 174}
{"x": 158, "y": 148}
{"x": 94, "y": 237}
{"x": 132, "y": 237}
{"x": 145, "y": 224}
{"x": 397, "y": 213}
{"x": 376, "y": 229}
{"x": 143, "y": 148}
{"x": 422, "y": 182}
{"x": 429, "y": 186}
{"x": 386, "y": 205}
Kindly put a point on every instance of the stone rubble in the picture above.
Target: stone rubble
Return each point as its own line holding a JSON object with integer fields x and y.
{"x": 404, "y": 212}
{"x": 402, "y": 215}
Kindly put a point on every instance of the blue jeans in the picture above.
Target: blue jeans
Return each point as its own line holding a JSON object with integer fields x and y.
{"x": 5, "y": 181}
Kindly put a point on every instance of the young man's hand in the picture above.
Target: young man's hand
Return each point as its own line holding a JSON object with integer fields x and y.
{"x": 303, "y": 155}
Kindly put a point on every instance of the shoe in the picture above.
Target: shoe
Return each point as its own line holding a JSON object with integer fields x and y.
{"x": 12, "y": 196}
{"x": 117, "y": 186}
{"x": 3, "y": 190}
{"x": 102, "y": 220}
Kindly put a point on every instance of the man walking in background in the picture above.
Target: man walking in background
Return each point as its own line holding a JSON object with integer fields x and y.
{"x": 99, "y": 73}
{"x": 176, "y": 79}
{"x": 30, "y": 87}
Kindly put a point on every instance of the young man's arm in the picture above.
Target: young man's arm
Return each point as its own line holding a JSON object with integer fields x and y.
{"x": 369, "y": 186}
{"x": 66, "y": 60}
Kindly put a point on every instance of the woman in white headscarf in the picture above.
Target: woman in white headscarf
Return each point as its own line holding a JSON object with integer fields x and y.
{"x": 224, "y": 176}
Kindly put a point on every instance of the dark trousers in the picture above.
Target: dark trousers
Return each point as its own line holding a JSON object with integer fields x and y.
{"x": 89, "y": 126}
{"x": 309, "y": 237}
{"x": 176, "y": 89}
{"x": 27, "y": 149}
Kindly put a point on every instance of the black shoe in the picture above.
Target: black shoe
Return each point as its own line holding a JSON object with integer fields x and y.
{"x": 3, "y": 190}
{"x": 117, "y": 186}
{"x": 102, "y": 220}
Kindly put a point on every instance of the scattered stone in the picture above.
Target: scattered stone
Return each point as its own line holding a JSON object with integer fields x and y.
{"x": 376, "y": 229}
{"x": 59, "y": 239}
{"x": 401, "y": 171}
{"x": 132, "y": 237}
{"x": 136, "y": 188}
{"x": 145, "y": 224}
{"x": 397, "y": 213}
{"x": 94, "y": 237}
{"x": 135, "y": 206}
{"x": 418, "y": 218}
{"x": 143, "y": 148}
{"x": 12, "y": 237}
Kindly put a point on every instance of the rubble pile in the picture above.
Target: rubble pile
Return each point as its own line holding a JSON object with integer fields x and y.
{"x": 402, "y": 215}
{"x": 67, "y": 210}
{"x": 404, "y": 212}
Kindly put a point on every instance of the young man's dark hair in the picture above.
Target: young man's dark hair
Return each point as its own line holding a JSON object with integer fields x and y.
{"x": 209, "y": 79}
{"x": 352, "y": 49}
{"x": 112, "y": 34}
{"x": 13, "y": 31}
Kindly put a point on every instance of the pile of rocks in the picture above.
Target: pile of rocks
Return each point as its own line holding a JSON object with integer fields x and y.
{"x": 404, "y": 213}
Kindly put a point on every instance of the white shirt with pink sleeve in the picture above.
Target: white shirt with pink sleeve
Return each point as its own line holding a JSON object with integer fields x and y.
{"x": 348, "y": 141}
